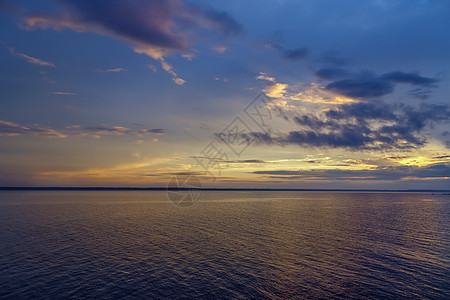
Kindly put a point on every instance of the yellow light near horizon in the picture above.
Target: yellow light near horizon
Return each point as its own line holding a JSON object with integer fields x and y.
{"x": 419, "y": 161}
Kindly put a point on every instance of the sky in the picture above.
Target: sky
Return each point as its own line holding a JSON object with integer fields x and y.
{"x": 316, "y": 94}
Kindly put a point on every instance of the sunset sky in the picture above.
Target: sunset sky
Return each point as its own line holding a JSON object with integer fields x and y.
{"x": 273, "y": 94}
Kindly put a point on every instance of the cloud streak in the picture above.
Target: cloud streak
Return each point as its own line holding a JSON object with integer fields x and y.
{"x": 436, "y": 171}
{"x": 32, "y": 60}
{"x": 12, "y": 129}
{"x": 63, "y": 93}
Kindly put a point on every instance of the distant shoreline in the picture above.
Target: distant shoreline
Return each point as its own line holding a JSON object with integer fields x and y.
{"x": 208, "y": 189}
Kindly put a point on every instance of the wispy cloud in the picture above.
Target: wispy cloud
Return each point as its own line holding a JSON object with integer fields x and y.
{"x": 62, "y": 93}
{"x": 156, "y": 28}
{"x": 151, "y": 67}
{"x": 118, "y": 130}
{"x": 115, "y": 70}
{"x": 12, "y": 129}
{"x": 223, "y": 79}
{"x": 220, "y": 49}
{"x": 32, "y": 60}
{"x": 264, "y": 76}
{"x": 111, "y": 70}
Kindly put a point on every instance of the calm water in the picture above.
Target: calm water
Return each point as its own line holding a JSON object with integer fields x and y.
{"x": 136, "y": 244}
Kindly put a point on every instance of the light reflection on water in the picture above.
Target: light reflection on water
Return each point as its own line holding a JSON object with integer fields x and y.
{"x": 114, "y": 244}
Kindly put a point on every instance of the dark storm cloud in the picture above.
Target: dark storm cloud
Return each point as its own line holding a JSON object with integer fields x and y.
{"x": 373, "y": 125}
{"x": 151, "y": 23}
{"x": 380, "y": 173}
{"x": 411, "y": 78}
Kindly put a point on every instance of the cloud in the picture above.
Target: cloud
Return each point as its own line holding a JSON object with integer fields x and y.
{"x": 151, "y": 27}
{"x": 13, "y": 129}
{"x": 151, "y": 67}
{"x": 437, "y": 171}
{"x": 62, "y": 93}
{"x": 224, "y": 79}
{"x": 157, "y": 131}
{"x": 273, "y": 89}
{"x": 111, "y": 70}
{"x": 442, "y": 156}
{"x": 251, "y": 161}
{"x": 179, "y": 81}
{"x": 115, "y": 70}
{"x": 245, "y": 161}
{"x": 220, "y": 49}
{"x": 368, "y": 85}
{"x": 361, "y": 88}
{"x": 316, "y": 93}
{"x": 219, "y": 20}
{"x": 360, "y": 126}
{"x": 332, "y": 73}
{"x": 363, "y": 111}
{"x": 289, "y": 54}
{"x": 32, "y": 60}
{"x": 276, "y": 90}
{"x": 420, "y": 93}
{"x": 120, "y": 130}
{"x": 263, "y": 76}
{"x": 332, "y": 58}
{"x": 295, "y": 54}
{"x": 411, "y": 78}
{"x": 117, "y": 130}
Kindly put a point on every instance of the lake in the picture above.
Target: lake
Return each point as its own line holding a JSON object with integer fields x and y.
{"x": 229, "y": 244}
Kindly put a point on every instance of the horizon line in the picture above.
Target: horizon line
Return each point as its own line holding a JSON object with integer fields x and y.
{"x": 99, "y": 188}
